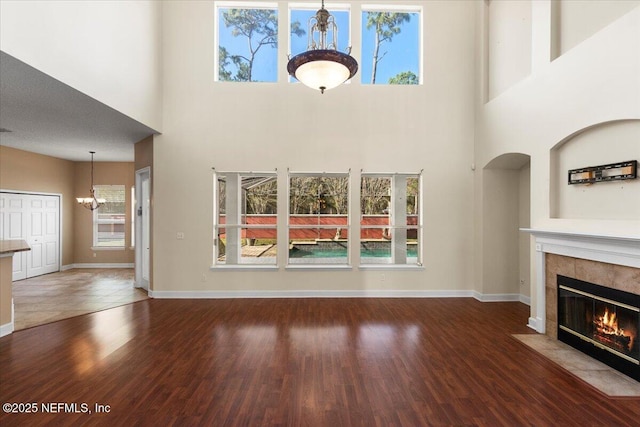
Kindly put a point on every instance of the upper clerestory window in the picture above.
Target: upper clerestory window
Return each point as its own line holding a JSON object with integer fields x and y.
{"x": 299, "y": 16}
{"x": 247, "y": 42}
{"x": 391, "y": 46}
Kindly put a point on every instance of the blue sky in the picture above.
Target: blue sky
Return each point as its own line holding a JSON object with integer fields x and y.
{"x": 401, "y": 53}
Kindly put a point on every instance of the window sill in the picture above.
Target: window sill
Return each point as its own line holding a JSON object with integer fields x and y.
{"x": 316, "y": 267}
{"x": 409, "y": 267}
{"x": 107, "y": 248}
{"x": 243, "y": 267}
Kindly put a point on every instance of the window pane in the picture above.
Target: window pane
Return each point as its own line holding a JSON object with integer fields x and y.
{"x": 390, "y": 47}
{"x": 247, "y": 45}
{"x": 318, "y": 246}
{"x": 246, "y": 218}
{"x": 390, "y": 227}
{"x": 318, "y": 219}
{"x": 109, "y": 219}
{"x": 257, "y": 246}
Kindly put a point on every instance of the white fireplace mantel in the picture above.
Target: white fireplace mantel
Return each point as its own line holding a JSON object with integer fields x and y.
{"x": 609, "y": 249}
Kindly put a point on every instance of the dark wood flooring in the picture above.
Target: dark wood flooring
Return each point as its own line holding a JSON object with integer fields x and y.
{"x": 296, "y": 362}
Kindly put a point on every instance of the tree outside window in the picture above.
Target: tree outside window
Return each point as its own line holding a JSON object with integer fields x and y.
{"x": 247, "y": 44}
{"x": 390, "y": 47}
{"x": 390, "y": 225}
{"x": 319, "y": 218}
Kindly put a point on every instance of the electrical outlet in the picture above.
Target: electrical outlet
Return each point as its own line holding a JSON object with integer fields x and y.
{"x": 95, "y": 254}
{"x": 180, "y": 235}
{"x": 383, "y": 277}
{"x": 521, "y": 282}
{"x": 204, "y": 277}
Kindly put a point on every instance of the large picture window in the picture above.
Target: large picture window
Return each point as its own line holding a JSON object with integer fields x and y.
{"x": 318, "y": 218}
{"x": 109, "y": 221}
{"x": 247, "y": 42}
{"x": 246, "y": 218}
{"x": 391, "y": 225}
{"x": 391, "y": 46}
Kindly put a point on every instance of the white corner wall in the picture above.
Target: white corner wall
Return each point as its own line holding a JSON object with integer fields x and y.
{"x": 264, "y": 126}
{"x": 580, "y": 19}
{"x": 509, "y": 44}
{"x": 108, "y": 50}
{"x": 593, "y": 83}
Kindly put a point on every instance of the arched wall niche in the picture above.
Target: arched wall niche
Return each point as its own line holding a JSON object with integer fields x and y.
{"x": 599, "y": 144}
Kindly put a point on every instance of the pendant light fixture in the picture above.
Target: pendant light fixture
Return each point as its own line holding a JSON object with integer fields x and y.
{"x": 92, "y": 203}
{"x": 322, "y": 66}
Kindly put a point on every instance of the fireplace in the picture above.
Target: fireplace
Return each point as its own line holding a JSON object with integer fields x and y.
{"x": 600, "y": 321}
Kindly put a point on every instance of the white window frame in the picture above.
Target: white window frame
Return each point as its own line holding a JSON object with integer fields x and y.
{"x": 320, "y": 265}
{"x": 402, "y": 9}
{"x": 96, "y": 244}
{"x": 398, "y": 240}
{"x": 236, "y": 259}
{"x": 216, "y": 36}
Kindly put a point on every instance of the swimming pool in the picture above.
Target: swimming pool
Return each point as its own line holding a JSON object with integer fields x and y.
{"x": 315, "y": 252}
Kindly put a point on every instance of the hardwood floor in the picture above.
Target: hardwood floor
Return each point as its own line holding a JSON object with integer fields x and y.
{"x": 52, "y": 297}
{"x": 297, "y": 362}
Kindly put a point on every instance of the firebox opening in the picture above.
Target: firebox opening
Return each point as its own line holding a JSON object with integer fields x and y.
{"x": 601, "y": 322}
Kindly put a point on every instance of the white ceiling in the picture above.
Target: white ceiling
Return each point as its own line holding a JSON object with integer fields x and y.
{"x": 49, "y": 117}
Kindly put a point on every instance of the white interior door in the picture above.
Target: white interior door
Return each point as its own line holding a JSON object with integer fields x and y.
{"x": 36, "y": 219}
{"x": 42, "y": 234}
{"x": 143, "y": 227}
{"x": 12, "y": 208}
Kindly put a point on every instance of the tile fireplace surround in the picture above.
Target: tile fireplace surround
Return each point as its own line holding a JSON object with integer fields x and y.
{"x": 608, "y": 261}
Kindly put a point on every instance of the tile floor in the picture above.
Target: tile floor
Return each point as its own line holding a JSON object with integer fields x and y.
{"x": 597, "y": 374}
{"x": 57, "y": 296}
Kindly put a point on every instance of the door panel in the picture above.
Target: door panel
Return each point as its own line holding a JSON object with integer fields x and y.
{"x": 14, "y": 227}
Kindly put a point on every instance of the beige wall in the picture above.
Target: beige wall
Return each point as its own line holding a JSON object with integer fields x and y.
{"x": 607, "y": 143}
{"x": 524, "y": 221}
{"x": 264, "y": 126}
{"x": 30, "y": 172}
{"x": 580, "y": 19}
{"x": 25, "y": 171}
{"x": 105, "y": 173}
{"x": 144, "y": 153}
{"x": 6, "y": 300}
{"x": 509, "y": 44}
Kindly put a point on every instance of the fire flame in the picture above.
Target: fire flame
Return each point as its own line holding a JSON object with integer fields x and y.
{"x": 607, "y": 329}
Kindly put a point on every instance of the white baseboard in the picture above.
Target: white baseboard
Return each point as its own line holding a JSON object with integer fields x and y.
{"x": 6, "y": 329}
{"x": 525, "y": 300}
{"x": 309, "y": 294}
{"x": 496, "y": 297}
{"x": 99, "y": 265}
{"x": 536, "y": 324}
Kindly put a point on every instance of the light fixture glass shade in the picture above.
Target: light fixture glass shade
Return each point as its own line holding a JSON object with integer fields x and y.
{"x": 322, "y": 66}
{"x": 322, "y": 69}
